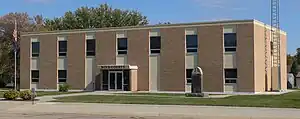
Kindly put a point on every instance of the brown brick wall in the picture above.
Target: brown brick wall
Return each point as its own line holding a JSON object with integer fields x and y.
{"x": 172, "y": 60}
{"x": 25, "y": 44}
{"x": 76, "y": 60}
{"x": 283, "y": 61}
{"x": 259, "y": 58}
{"x": 105, "y": 48}
{"x": 269, "y": 82}
{"x": 48, "y": 62}
{"x": 210, "y": 57}
{"x": 138, "y": 54}
{"x": 105, "y": 53}
{"x": 245, "y": 57}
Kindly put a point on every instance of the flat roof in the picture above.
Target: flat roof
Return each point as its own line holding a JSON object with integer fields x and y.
{"x": 192, "y": 24}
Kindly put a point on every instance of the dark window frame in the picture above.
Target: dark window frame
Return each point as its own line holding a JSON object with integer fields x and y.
{"x": 189, "y": 76}
{"x": 35, "y": 76}
{"x": 64, "y": 74}
{"x": 122, "y": 50}
{"x": 91, "y": 43}
{"x": 230, "y": 77}
{"x": 35, "y": 52}
{"x": 62, "y": 51}
{"x": 155, "y": 44}
{"x": 191, "y": 47}
{"x": 230, "y": 42}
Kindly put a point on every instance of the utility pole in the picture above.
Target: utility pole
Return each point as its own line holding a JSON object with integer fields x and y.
{"x": 15, "y": 34}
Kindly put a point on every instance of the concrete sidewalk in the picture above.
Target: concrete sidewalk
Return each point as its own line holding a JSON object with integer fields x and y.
{"x": 51, "y": 97}
{"x": 199, "y": 112}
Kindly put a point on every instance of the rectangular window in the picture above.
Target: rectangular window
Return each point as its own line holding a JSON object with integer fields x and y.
{"x": 191, "y": 43}
{"x": 90, "y": 47}
{"x": 62, "y": 50}
{"x": 35, "y": 76}
{"x": 35, "y": 49}
{"x": 230, "y": 75}
{"x": 230, "y": 42}
{"x": 122, "y": 45}
{"x": 189, "y": 76}
{"x": 155, "y": 44}
{"x": 62, "y": 76}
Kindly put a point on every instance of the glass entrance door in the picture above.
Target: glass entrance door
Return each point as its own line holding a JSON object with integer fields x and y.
{"x": 116, "y": 80}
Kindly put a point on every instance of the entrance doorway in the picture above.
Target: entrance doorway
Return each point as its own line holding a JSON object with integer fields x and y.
{"x": 115, "y": 81}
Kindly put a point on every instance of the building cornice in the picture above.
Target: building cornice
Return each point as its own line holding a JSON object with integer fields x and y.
{"x": 127, "y": 28}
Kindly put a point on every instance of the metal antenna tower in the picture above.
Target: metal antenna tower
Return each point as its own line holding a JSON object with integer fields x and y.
{"x": 275, "y": 41}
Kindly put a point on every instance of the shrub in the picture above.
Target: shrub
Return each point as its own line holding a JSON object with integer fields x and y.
{"x": 64, "y": 87}
{"x": 11, "y": 95}
{"x": 25, "y": 95}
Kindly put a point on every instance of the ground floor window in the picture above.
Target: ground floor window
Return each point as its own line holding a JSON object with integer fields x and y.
{"x": 62, "y": 76}
{"x": 189, "y": 76}
{"x": 230, "y": 75}
{"x": 35, "y": 76}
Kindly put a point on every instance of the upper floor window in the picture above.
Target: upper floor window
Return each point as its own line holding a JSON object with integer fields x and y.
{"x": 230, "y": 75}
{"x": 62, "y": 51}
{"x": 191, "y": 43}
{"x": 155, "y": 44}
{"x": 122, "y": 45}
{"x": 35, "y": 49}
{"x": 230, "y": 39}
{"x": 90, "y": 47}
{"x": 35, "y": 75}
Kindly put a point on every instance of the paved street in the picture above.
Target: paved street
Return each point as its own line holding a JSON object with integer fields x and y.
{"x": 69, "y": 116}
{"x": 51, "y": 110}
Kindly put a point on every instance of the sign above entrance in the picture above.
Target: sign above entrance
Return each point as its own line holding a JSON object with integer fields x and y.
{"x": 117, "y": 67}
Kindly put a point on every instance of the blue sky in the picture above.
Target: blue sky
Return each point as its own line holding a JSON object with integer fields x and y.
{"x": 175, "y": 11}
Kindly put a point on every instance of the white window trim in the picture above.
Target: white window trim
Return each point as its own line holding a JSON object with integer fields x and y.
{"x": 191, "y": 52}
{"x": 35, "y": 79}
{"x": 121, "y": 51}
{"x": 154, "y": 50}
{"x": 229, "y": 47}
{"x": 230, "y": 79}
{"x": 62, "y": 52}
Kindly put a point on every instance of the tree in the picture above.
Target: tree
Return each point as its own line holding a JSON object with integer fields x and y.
{"x": 297, "y": 56}
{"x": 96, "y": 17}
{"x": 290, "y": 59}
{"x": 25, "y": 24}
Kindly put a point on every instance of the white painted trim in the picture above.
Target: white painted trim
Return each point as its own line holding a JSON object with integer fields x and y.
{"x": 267, "y": 26}
{"x": 118, "y": 29}
{"x": 191, "y": 31}
{"x": 121, "y": 34}
{"x": 214, "y": 23}
{"x": 61, "y": 38}
{"x": 229, "y": 29}
{"x": 133, "y": 67}
{"x": 154, "y": 32}
{"x": 89, "y": 36}
{"x": 34, "y": 39}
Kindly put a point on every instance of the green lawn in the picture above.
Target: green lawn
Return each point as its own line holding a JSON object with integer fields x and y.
{"x": 152, "y": 94}
{"x": 290, "y": 100}
{"x": 43, "y": 93}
